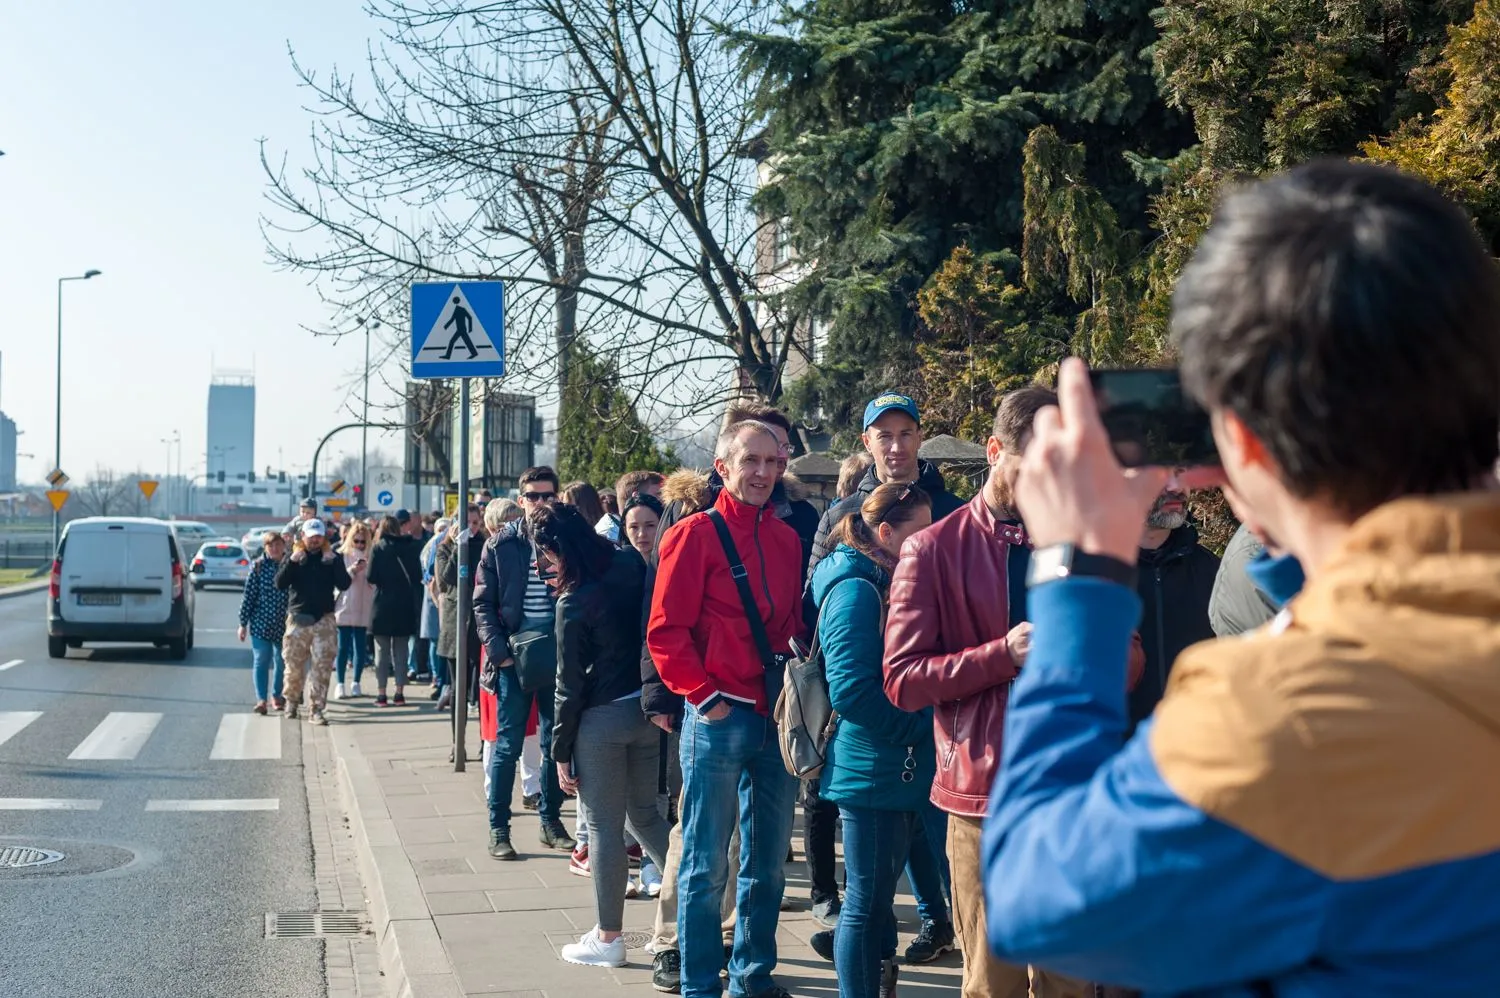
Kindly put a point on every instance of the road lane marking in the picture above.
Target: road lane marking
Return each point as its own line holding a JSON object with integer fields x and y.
{"x": 12, "y": 721}
{"x": 229, "y": 804}
{"x": 11, "y": 664}
{"x": 121, "y": 735}
{"x": 247, "y": 736}
{"x": 48, "y": 804}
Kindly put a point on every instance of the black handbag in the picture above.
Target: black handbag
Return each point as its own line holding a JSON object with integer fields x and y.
{"x": 534, "y": 648}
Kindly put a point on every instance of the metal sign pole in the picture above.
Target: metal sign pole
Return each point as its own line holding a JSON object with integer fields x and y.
{"x": 465, "y": 594}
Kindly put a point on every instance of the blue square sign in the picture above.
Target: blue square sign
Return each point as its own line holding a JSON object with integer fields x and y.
{"x": 458, "y": 330}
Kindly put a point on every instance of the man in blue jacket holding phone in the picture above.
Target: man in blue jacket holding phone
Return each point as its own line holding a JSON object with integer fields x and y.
{"x": 1311, "y": 811}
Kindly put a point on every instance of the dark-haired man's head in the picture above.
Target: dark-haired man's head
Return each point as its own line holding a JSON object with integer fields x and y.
{"x": 1341, "y": 322}
{"x": 537, "y": 488}
{"x": 1007, "y": 444}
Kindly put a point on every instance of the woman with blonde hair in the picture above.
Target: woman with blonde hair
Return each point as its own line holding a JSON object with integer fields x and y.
{"x": 351, "y": 611}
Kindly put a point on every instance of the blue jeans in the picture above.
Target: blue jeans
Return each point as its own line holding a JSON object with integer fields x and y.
{"x": 927, "y": 864}
{"x": 876, "y": 844}
{"x": 265, "y": 653}
{"x": 352, "y": 645}
{"x": 514, "y": 711}
{"x": 731, "y": 767}
{"x": 440, "y": 677}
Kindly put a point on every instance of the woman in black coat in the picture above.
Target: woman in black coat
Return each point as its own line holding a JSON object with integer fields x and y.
{"x": 604, "y": 748}
{"x": 396, "y": 573}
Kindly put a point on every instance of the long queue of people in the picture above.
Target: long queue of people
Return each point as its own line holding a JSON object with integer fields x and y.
{"x": 1088, "y": 794}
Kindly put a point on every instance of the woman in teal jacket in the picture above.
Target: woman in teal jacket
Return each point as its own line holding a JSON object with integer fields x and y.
{"x": 881, "y": 760}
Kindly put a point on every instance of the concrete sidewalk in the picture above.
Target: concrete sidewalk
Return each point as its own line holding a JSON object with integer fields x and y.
{"x": 451, "y": 921}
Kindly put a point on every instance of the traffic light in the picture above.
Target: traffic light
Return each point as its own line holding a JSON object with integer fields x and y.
{"x": 358, "y": 491}
{"x": 281, "y": 477}
{"x": 221, "y": 476}
{"x": 252, "y": 478}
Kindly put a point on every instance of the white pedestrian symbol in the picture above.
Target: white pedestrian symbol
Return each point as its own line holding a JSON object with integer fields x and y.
{"x": 457, "y": 328}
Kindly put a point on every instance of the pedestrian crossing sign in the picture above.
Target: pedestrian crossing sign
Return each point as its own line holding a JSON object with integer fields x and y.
{"x": 458, "y": 330}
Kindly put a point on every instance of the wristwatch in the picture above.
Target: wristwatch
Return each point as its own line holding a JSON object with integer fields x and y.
{"x": 1062, "y": 561}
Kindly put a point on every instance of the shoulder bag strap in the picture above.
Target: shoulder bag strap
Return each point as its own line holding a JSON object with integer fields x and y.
{"x": 742, "y": 582}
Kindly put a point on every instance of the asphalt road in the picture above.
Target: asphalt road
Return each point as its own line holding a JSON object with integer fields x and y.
{"x": 150, "y": 900}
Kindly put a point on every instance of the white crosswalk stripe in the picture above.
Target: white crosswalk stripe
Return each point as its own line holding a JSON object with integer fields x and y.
{"x": 121, "y": 735}
{"x": 222, "y": 804}
{"x": 247, "y": 736}
{"x": 12, "y": 721}
{"x": 48, "y": 804}
{"x": 11, "y": 664}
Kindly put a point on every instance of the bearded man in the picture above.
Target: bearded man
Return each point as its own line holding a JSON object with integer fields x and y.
{"x": 1175, "y": 584}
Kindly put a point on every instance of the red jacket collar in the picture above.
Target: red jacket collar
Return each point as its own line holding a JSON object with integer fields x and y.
{"x": 735, "y": 511}
{"x": 1010, "y": 533}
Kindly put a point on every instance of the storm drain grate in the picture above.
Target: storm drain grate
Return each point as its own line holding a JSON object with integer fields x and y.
{"x": 19, "y": 857}
{"x": 312, "y": 924}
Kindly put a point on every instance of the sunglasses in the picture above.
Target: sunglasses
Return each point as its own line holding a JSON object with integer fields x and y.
{"x": 359, "y": 544}
{"x": 539, "y": 496}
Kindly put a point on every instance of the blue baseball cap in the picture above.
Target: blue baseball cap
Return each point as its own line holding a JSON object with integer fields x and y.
{"x": 890, "y": 402}
{"x": 403, "y": 516}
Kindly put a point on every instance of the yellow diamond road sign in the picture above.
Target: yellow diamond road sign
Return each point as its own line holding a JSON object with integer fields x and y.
{"x": 56, "y": 478}
{"x": 147, "y": 487}
{"x": 57, "y": 497}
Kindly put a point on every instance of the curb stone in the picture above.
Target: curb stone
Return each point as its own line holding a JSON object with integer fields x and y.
{"x": 412, "y": 955}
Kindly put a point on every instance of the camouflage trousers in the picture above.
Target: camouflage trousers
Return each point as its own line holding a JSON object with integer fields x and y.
{"x": 309, "y": 651}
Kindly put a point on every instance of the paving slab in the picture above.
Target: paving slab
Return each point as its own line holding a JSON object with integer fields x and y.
{"x": 450, "y": 922}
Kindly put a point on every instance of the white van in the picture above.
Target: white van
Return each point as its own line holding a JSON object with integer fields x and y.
{"x": 119, "y": 578}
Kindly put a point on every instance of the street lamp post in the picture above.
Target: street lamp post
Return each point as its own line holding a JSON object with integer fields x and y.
{"x": 57, "y": 452}
{"x": 364, "y": 433}
{"x": 175, "y": 438}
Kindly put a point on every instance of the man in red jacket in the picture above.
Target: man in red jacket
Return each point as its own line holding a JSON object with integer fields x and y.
{"x": 706, "y": 650}
{"x": 955, "y": 637}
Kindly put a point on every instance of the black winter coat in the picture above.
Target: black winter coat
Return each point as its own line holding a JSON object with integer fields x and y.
{"x": 599, "y": 634}
{"x": 396, "y": 573}
{"x": 929, "y": 477}
{"x": 310, "y": 583}
{"x": 1175, "y": 582}
{"x": 500, "y": 589}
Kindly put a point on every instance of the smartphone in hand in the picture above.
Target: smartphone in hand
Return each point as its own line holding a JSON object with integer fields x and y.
{"x": 1151, "y": 421}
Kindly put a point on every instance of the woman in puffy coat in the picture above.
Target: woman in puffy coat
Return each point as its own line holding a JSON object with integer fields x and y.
{"x": 396, "y": 574}
{"x": 351, "y": 611}
{"x": 604, "y": 748}
{"x": 881, "y": 759}
{"x": 263, "y": 621}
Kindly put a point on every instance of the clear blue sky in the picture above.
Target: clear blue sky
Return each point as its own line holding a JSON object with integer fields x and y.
{"x": 130, "y": 138}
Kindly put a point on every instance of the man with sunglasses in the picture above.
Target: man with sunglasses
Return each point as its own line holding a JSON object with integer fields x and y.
{"x": 511, "y": 594}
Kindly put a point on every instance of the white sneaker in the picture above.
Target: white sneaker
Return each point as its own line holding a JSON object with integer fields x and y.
{"x": 591, "y": 951}
{"x": 653, "y": 889}
{"x": 338, "y": 691}
{"x": 632, "y": 889}
{"x": 354, "y": 690}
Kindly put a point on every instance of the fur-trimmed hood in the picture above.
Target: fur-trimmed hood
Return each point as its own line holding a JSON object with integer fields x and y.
{"x": 696, "y": 490}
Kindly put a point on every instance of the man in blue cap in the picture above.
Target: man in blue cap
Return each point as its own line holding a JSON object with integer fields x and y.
{"x": 893, "y": 435}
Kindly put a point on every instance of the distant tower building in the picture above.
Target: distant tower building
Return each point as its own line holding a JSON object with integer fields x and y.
{"x": 7, "y": 453}
{"x": 231, "y": 426}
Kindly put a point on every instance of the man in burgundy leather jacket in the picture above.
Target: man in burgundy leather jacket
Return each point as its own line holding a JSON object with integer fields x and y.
{"x": 955, "y": 637}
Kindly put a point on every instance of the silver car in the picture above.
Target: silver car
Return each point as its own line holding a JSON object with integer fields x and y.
{"x": 222, "y": 562}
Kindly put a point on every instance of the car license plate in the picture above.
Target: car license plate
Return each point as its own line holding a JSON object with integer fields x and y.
{"x": 98, "y": 599}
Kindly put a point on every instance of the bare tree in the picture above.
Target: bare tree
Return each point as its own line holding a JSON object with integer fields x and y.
{"x": 105, "y": 494}
{"x": 589, "y": 153}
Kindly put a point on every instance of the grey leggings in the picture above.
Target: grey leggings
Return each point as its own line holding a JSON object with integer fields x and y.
{"x": 615, "y": 759}
{"x": 390, "y": 656}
